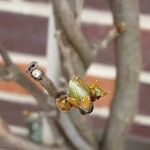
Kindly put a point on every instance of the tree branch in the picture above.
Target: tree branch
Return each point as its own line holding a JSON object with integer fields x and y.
{"x": 73, "y": 31}
{"x": 124, "y": 105}
{"x": 5, "y": 56}
{"x": 103, "y": 43}
{"x": 5, "y": 73}
{"x": 77, "y": 7}
{"x": 68, "y": 68}
{"x": 17, "y": 142}
{"x": 37, "y": 74}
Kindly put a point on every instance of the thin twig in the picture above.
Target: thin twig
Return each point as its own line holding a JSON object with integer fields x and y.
{"x": 103, "y": 43}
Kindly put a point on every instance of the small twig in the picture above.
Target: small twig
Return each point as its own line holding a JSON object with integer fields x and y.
{"x": 111, "y": 36}
{"x": 102, "y": 44}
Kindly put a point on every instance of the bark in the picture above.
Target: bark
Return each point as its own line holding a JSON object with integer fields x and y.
{"x": 125, "y": 102}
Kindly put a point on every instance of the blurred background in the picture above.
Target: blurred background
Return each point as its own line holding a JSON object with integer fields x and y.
{"x": 25, "y": 30}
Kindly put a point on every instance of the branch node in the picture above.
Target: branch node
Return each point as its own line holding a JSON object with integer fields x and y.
{"x": 121, "y": 27}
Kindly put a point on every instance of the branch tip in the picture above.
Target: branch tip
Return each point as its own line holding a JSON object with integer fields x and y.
{"x": 34, "y": 71}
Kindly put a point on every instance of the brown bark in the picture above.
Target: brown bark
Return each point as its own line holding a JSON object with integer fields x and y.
{"x": 125, "y": 102}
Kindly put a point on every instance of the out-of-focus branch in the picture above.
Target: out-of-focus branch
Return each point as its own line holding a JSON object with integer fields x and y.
{"x": 5, "y": 56}
{"x": 77, "y": 7}
{"x": 71, "y": 63}
{"x": 103, "y": 43}
{"x": 17, "y": 142}
{"x": 75, "y": 137}
{"x": 5, "y": 73}
{"x": 66, "y": 56}
{"x": 124, "y": 105}
{"x": 110, "y": 37}
{"x": 73, "y": 31}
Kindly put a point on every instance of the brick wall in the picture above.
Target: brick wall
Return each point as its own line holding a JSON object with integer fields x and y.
{"x": 23, "y": 31}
